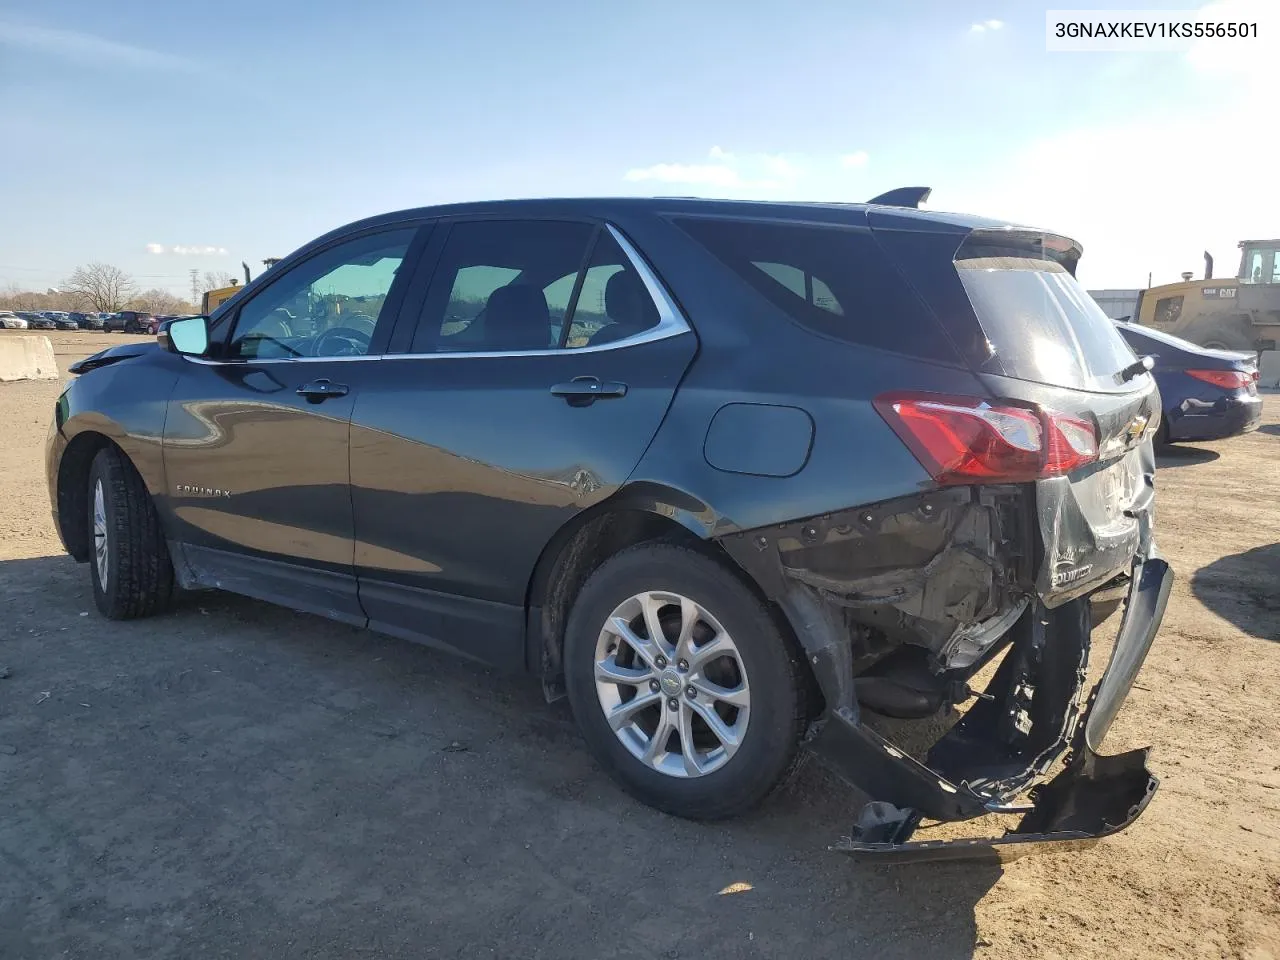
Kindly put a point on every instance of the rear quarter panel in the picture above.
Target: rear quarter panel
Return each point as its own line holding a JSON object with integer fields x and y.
{"x": 750, "y": 352}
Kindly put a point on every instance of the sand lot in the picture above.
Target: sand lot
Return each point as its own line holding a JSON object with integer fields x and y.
{"x": 232, "y": 779}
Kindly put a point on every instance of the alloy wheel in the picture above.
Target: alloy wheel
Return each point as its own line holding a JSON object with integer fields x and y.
{"x": 672, "y": 685}
{"x": 100, "y": 533}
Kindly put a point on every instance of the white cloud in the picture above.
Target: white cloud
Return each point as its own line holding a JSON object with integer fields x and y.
{"x": 87, "y": 49}
{"x": 858, "y": 158}
{"x": 1132, "y": 215}
{"x": 752, "y": 173}
{"x": 182, "y": 250}
{"x": 700, "y": 173}
{"x": 985, "y": 25}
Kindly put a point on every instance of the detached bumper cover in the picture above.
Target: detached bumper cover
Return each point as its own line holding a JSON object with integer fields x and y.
{"x": 1093, "y": 797}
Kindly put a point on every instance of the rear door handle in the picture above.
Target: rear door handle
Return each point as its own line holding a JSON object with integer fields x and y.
{"x": 584, "y": 391}
{"x": 322, "y": 389}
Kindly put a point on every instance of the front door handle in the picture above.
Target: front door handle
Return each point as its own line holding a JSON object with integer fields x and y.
{"x": 584, "y": 391}
{"x": 322, "y": 389}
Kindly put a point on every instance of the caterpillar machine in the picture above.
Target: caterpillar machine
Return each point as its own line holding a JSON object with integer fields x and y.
{"x": 213, "y": 298}
{"x": 1240, "y": 313}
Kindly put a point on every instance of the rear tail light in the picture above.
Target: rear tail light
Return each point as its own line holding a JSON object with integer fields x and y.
{"x": 963, "y": 440}
{"x": 1226, "y": 379}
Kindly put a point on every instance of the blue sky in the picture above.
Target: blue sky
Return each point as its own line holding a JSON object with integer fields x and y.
{"x": 165, "y": 136}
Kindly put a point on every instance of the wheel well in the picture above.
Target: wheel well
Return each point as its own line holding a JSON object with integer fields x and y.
{"x": 575, "y": 553}
{"x": 578, "y": 551}
{"x": 73, "y": 491}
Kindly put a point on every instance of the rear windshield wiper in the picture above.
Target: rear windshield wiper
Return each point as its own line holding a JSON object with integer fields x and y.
{"x": 1137, "y": 368}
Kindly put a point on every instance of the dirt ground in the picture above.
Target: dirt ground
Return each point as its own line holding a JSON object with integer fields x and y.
{"x": 236, "y": 780}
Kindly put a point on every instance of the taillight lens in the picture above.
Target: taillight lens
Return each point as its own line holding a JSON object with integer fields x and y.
{"x": 970, "y": 440}
{"x": 1226, "y": 379}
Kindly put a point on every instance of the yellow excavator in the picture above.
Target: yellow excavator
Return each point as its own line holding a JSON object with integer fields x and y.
{"x": 1237, "y": 313}
{"x": 214, "y": 298}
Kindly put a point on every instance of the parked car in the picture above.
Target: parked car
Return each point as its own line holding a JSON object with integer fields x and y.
{"x": 776, "y": 470}
{"x": 11, "y": 321}
{"x": 1205, "y": 394}
{"x": 153, "y": 325}
{"x": 81, "y": 319}
{"x": 65, "y": 322}
{"x": 38, "y": 321}
{"x": 127, "y": 321}
{"x": 95, "y": 321}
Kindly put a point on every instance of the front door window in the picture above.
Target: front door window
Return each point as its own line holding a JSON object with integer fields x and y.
{"x": 327, "y": 306}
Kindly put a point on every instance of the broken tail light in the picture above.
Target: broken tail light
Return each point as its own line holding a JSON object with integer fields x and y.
{"x": 970, "y": 440}
{"x": 1226, "y": 379}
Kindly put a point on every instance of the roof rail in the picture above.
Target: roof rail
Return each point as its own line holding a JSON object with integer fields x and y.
{"x": 903, "y": 197}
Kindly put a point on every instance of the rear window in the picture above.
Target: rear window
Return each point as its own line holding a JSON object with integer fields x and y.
{"x": 1041, "y": 324}
{"x": 834, "y": 280}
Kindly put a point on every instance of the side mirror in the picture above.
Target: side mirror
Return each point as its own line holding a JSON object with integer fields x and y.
{"x": 188, "y": 336}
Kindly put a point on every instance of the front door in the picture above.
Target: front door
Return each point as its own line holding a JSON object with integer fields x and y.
{"x": 256, "y": 437}
{"x": 544, "y": 360}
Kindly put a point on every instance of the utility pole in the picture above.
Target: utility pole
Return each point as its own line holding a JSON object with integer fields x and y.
{"x": 195, "y": 286}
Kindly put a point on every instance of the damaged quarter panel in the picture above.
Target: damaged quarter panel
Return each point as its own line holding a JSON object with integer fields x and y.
{"x": 859, "y": 545}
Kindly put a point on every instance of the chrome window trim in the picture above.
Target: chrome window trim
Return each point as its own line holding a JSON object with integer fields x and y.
{"x": 671, "y": 323}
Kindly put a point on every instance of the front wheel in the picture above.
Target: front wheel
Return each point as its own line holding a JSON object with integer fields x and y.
{"x": 682, "y": 682}
{"x": 129, "y": 561}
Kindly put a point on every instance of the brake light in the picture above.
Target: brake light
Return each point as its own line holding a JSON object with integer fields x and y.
{"x": 969, "y": 440}
{"x": 1226, "y": 379}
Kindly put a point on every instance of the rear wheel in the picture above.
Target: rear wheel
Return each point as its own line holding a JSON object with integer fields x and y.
{"x": 1222, "y": 333}
{"x": 129, "y": 561}
{"x": 682, "y": 683}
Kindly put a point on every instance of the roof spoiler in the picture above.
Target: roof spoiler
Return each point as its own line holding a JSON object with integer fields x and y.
{"x": 903, "y": 197}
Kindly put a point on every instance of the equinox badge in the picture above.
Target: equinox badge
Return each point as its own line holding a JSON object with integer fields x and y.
{"x": 190, "y": 490}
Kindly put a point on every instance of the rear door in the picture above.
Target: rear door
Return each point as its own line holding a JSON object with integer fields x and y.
{"x": 256, "y": 441}
{"x": 543, "y": 361}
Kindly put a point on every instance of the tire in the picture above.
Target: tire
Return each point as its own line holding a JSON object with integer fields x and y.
{"x": 129, "y": 559}
{"x": 1221, "y": 333}
{"x": 764, "y": 671}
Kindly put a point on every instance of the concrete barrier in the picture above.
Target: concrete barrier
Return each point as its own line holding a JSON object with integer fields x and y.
{"x": 27, "y": 358}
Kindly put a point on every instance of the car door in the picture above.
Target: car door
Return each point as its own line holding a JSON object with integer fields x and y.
{"x": 544, "y": 359}
{"x": 257, "y": 432}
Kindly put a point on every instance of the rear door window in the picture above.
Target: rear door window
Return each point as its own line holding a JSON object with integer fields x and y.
{"x": 503, "y": 286}
{"x": 522, "y": 285}
{"x": 834, "y": 280}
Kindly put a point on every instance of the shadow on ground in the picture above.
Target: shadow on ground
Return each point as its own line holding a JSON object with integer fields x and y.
{"x": 235, "y": 779}
{"x": 1242, "y": 588}
{"x": 1169, "y": 457}
{"x": 1272, "y": 429}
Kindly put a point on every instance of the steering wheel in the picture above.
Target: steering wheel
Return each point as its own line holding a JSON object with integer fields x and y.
{"x": 342, "y": 342}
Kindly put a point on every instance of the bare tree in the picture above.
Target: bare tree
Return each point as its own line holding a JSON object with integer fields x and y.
{"x": 215, "y": 280}
{"x": 16, "y": 298}
{"x": 101, "y": 287}
{"x": 160, "y": 302}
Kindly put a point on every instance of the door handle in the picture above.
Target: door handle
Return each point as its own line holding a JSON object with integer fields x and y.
{"x": 322, "y": 389}
{"x": 584, "y": 391}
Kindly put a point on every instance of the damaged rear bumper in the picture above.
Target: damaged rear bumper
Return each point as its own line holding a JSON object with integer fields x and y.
{"x": 865, "y": 589}
{"x": 1093, "y": 797}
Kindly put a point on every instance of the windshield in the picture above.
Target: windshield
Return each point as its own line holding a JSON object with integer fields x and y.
{"x": 1042, "y": 325}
